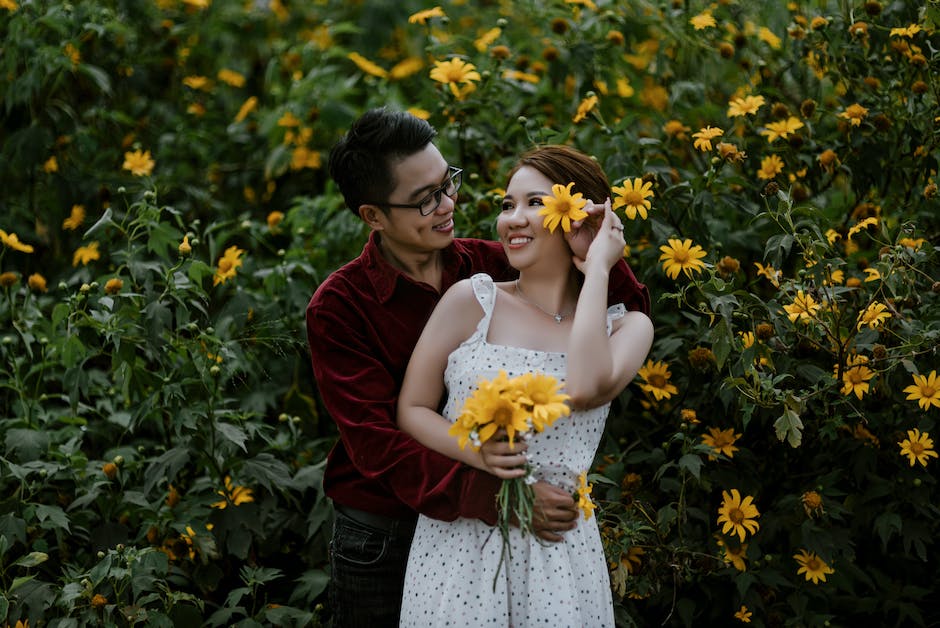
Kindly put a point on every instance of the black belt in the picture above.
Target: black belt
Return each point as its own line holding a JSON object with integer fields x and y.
{"x": 373, "y": 520}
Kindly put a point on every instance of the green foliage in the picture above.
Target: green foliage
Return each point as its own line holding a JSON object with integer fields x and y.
{"x": 163, "y": 442}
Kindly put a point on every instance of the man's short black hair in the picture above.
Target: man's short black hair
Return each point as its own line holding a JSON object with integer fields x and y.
{"x": 361, "y": 162}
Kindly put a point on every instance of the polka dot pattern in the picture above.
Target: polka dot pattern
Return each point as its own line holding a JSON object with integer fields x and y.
{"x": 452, "y": 565}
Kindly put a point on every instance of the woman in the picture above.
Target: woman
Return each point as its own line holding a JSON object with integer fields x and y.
{"x": 554, "y": 320}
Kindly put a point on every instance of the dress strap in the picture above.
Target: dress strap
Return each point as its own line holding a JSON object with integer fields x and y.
{"x": 485, "y": 291}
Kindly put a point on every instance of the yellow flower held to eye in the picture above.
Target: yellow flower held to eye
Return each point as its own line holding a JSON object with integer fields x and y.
{"x": 917, "y": 447}
{"x": 585, "y": 504}
{"x": 632, "y": 197}
{"x": 925, "y": 390}
{"x": 138, "y": 162}
{"x": 228, "y": 265}
{"x": 681, "y": 256}
{"x": 11, "y": 240}
{"x": 656, "y": 376}
{"x": 738, "y": 515}
{"x": 562, "y": 207}
{"x": 812, "y": 566}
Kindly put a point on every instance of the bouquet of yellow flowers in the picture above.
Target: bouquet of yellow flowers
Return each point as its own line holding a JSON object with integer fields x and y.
{"x": 521, "y": 406}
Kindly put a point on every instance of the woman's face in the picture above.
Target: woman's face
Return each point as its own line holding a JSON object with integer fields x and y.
{"x": 519, "y": 224}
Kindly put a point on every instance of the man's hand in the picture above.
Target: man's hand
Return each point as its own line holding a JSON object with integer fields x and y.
{"x": 554, "y": 512}
{"x": 583, "y": 231}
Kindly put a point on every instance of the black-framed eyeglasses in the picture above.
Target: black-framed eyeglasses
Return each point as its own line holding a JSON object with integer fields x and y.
{"x": 429, "y": 204}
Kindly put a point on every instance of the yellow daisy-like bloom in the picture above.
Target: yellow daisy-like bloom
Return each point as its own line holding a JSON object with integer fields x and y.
{"x": 917, "y": 447}
{"x": 874, "y": 315}
{"x": 681, "y": 255}
{"x": 231, "y": 77}
{"x": 768, "y": 37}
{"x": 274, "y": 219}
{"x": 632, "y": 197}
{"x": 585, "y": 504}
{"x": 656, "y": 377}
{"x": 197, "y": 82}
{"x": 51, "y": 165}
{"x": 585, "y": 107}
{"x": 721, "y": 441}
{"x": 861, "y": 225}
{"x": 770, "y": 167}
{"x": 912, "y": 243}
{"x": 453, "y": 72}
{"x": 769, "y": 272}
{"x": 422, "y": 17}
{"x": 855, "y": 380}
{"x": 812, "y": 566}
{"x": 85, "y": 254}
{"x": 737, "y": 515}
{"x": 235, "y": 495}
{"x": 485, "y": 40}
{"x": 632, "y": 559}
{"x": 405, "y": 68}
{"x": 908, "y": 31}
{"x": 854, "y": 114}
{"x": 303, "y": 157}
{"x": 539, "y": 395}
{"x": 562, "y": 207}
{"x": 703, "y": 137}
{"x": 36, "y": 282}
{"x": 250, "y": 104}
{"x": 11, "y": 240}
{"x": 743, "y": 615}
{"x": 743, "y": 106}
{"x": 782, "y": 129}
{"x": 812, "y": 503}
{"x": 493, "y": 405}
{"x": 138, "y": 162}
{"x": 702, "y": 21}
{"x": 735, "y": 556}
{"x": 872, "y": 274}
{"x": 675, "y": 128}
{"x": 288, "y": 120}
{"x": 75, "y": 219}
{"x": 925, "y": 390}
{"x": 10, "y": 5}
{"x": 114, "y": 285}
{"x": 804, "y": 307}
{"x": 518, "y": 75}
{"x": 367, "y": 66}
{"x": 228, "y": 265}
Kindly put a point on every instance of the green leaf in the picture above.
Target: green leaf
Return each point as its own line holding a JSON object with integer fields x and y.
{"x": 789, "y": 427}
{"x": 233, "y": 434}
{"x": 104, "y": 221}
{"x": 54, "y": 515}
{"x": 691, "y": 463}
{"x": 32, "y": 559}
{"x": 887, "y": 524}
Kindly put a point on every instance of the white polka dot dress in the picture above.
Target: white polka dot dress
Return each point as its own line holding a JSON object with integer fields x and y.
{"x": 452, "y": 565}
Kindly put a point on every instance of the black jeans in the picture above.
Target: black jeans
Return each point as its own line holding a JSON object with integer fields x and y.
{"x": 367, "y": 572}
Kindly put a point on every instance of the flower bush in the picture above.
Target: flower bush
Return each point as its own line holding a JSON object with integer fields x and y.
{"x": 166, "y": 215}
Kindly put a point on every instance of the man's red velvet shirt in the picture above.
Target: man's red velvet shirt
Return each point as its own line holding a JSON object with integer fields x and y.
{"x": 363, "y": 323}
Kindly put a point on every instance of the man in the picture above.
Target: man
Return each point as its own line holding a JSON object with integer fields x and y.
{"x": 362, "y": 325}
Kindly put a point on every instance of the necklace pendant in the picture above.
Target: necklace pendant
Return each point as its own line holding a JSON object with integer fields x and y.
{"x": 558, "y": 318}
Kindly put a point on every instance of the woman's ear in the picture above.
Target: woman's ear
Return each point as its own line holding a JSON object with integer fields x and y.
{"x": 373, "y": 216}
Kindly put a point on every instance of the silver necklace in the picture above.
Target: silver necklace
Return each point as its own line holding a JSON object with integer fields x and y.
{"x": 558, "y": 316}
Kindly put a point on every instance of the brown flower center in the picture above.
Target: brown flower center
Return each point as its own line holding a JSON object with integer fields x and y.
{"x": 917, "y": 448}
{"x": 656, "y": 380}
{"x": 225, "y": 265}
{"x": 736, "y": 515}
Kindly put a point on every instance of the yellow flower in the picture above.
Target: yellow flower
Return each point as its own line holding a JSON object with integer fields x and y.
{"x": 743, "y": 615}
{"x": 926, "y": 390}
{"x": 75, "y": 219}
{"x": 85, "y": 254}
{"x": 770, "y": 167}
{"x": 114, "y": 285}
{"x": 539, "y": 396}
{"x": 12, "y": 241}
{"x": 367, "y": 66}
{"x": 99, "y": 601}
{"x": 562, "y": 207}
{"x": 781, "y": 129}
{"x": 861, "y": 225}
{"x": 228, "y": 265}
{"x": 855, "y": 380}
{"x": 8, "y": 279}
{"x": 138, "y": 162}
{"x": 288, "y": 120}
{"x": 917, "y": 447}
{"x": 748, "y": 105}
{"x": 51, "y": 164}
{"x": 518, "y": 75}
{"x": 734, "y": 555}
{"x": 828, "y": 159}
{"x": 585, "y": 107}
{"x": 492, "y": 406}
{"x": 854, "y": 114}
{"x": 235, "y": 495}
{"x": 585, "y": 504}
{"x": 675, "y": 128}
{"x": 453, "y": 72}
{"x": 36, "y": 282}
{"x": 405, "y": 68}
{"x": 632, "y": 197}
{"x": 908, "y": 31}
{"x": 247, "y": 107}
{"x": 813, "y": 566}
{"x": 804, "y": 307}
{"x": 10, "y": 5}
{"x": 872, "y": 274}
{"x": 656, "y": 380}
{"x": 770, "y": 273}
{"x": 185, "y": 248}
{"x": 681, "y": 255}
{"x": 737, "y": 515}
{"x": 874, "y": 315}
{"x": 912, "y": 243}
{"x": 721, "y": 441}
{"x": 704, "y": 137}
{"x": 422, "y": 17}
{"x": 302, "y": 157}
{"x": 812, "y": 503}
{"x": 702, "y": 21}
{"x": 486, "y": 39}
{"x": 197, "y": 82}
{"x": 231, "y": 77}
{"x": 632, "y": 559}
{"x": 274, "y": 219}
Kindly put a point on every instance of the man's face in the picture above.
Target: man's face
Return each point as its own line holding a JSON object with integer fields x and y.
{"x": 405, "y": 229}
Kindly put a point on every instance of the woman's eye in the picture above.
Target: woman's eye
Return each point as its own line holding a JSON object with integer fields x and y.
{"x": 506, "y": 207}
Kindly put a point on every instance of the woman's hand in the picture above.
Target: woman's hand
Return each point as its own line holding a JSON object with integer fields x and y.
{"x": 606, "y": 248}
{"x": 502, "y": 460}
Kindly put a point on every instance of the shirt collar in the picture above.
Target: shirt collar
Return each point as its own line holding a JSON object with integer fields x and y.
{"x": 385, "y": 277}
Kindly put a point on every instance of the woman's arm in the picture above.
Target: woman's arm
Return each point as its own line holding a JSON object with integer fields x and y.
{"x": 600, "y": 367}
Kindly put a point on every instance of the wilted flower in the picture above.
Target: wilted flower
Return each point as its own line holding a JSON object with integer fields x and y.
{"x": 113, "y": 285}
